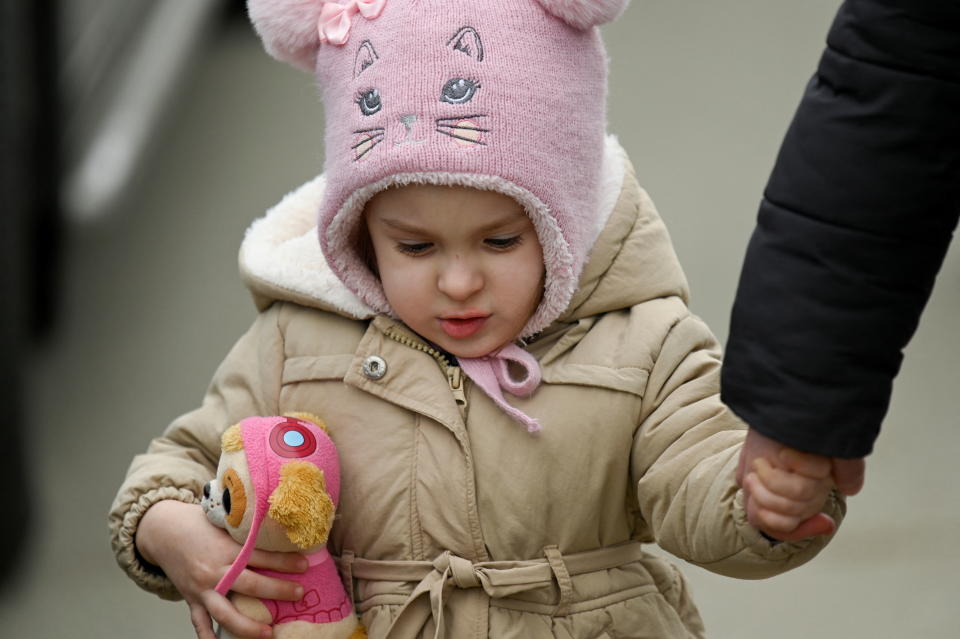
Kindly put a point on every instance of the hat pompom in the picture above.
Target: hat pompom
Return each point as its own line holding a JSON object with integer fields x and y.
{"x": 583, "y": 14}
{"x": 288, "y": 29}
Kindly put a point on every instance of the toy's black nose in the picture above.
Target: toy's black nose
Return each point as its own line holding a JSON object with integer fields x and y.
{"x": 206, "y": 490}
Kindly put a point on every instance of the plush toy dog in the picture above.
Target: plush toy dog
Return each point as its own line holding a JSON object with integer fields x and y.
{"x": 277, "y": 488}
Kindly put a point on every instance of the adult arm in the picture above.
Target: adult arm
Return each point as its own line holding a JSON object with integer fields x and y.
{"x": 853, "y": 227}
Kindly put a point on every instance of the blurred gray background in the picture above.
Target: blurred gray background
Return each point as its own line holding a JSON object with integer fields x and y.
{"x": 148, "y": 302}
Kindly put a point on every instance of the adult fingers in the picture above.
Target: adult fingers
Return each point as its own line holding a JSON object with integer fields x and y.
{"x": 263, "y": 587}
{"x": 848, "y": 475}
{"x": 819, "y": 524}
{"x": 292, "y": 562}
{"x": 202, "y": 624}
{"x": 230, "y": 618}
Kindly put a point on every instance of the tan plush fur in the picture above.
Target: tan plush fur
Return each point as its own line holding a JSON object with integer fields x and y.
{"x": 231, "y": 441}
{"x": 301, "y": 504}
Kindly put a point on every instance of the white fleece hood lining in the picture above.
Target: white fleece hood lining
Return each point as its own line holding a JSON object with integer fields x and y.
{"x": 282, "y": 248}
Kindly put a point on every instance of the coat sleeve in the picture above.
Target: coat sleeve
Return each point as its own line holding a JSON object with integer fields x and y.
{"x": 853, "y": 227}
{"x": 177, "y": 464}
{"x": 685, "y": 457}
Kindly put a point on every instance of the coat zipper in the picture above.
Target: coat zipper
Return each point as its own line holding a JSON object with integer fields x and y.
{"x": 454, "y": 373}
{"x": 455, "y": 378}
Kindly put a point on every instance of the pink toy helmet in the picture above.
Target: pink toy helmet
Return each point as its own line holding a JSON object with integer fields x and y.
{"x": 269, "y": 443}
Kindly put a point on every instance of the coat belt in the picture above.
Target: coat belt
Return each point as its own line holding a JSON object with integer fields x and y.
{"x": 497, "y": 579}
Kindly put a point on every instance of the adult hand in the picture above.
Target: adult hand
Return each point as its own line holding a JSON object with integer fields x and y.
{"x": 195, "y": 554}
{"x": 848, "y": 475}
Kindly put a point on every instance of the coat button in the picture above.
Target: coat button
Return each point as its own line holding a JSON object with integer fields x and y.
{"x": 374, "y": 367}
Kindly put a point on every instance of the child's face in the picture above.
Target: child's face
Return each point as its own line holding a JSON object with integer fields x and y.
{"x": 461, "y": 267}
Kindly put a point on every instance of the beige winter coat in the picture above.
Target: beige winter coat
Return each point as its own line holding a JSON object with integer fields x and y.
{"x": 449, "y": 510}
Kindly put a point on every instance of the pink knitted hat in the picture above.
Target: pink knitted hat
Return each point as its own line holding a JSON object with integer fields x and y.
{"x": 503, "y": 95}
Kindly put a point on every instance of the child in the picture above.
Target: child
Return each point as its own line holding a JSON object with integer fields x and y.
{"x": 494, "y": 327}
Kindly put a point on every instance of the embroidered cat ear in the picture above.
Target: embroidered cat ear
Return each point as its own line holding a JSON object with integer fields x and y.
{"x": 366, "y": 56}
{"x": 288, "y": 29}
{"x": 583, "y": 14}
{"x": 467, "y": 41}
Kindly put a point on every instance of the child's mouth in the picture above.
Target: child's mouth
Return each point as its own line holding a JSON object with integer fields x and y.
{"x": 462, "y": 328}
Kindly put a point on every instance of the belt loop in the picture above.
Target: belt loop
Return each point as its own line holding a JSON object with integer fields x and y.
{"x": 562, "y": 576}
{"x": 346, "y": 572}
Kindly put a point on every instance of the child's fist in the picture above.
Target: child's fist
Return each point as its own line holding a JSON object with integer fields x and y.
{"x": 790, "y": 495}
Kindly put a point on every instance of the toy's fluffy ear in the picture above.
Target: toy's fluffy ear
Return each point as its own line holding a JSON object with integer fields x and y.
{"x": 301, "y": 504}
{"x": 583, "y": 14}
{"x": 232, "y": 439}
{"x": 288, "y": 29}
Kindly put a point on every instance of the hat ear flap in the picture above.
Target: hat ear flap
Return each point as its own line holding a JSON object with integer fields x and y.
{"x": 288, "y": 29}
{"x": 583, "y": 14}
{"x": 302, "y": 505}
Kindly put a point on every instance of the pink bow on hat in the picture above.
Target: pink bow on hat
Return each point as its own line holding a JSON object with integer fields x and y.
{"x": 336, "y": 18}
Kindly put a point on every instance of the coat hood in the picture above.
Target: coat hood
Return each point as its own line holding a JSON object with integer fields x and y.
{"x": 632, "y": 259}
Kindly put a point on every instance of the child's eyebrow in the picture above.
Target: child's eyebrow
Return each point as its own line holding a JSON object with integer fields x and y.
{"x": 505, "y": 220}
{"x": 399, "y": 225}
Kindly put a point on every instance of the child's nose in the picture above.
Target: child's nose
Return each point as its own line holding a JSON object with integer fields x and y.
{"x": 460, "y": 279}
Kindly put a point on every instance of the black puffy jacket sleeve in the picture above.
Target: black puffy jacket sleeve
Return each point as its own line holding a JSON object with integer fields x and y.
{"x": 853, "y": 227}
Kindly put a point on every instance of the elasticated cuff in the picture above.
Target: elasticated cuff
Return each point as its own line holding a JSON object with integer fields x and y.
{"x": 761, "y": 557}
{"x": 796, "y": 552}
{"x": 146, "y": 575}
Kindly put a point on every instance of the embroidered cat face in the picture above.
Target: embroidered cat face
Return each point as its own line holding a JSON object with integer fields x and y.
{"x": 452, "y": 106}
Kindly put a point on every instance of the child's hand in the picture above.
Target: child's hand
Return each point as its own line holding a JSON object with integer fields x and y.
{"x": 787, "y": 500}
{"x": 195, "y": 554}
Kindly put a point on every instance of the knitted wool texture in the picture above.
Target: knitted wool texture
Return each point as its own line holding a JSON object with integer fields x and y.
{"x": 504, "y": 95}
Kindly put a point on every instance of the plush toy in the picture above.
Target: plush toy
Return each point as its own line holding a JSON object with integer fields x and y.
{"x": 277, "y": 488}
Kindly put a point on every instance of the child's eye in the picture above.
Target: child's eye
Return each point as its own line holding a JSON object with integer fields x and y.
{"x": 503, "y": 243}
{"x": 369, "y": 102}
{"x": 414, "y": 248}
{"x": 459, "y": 90}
